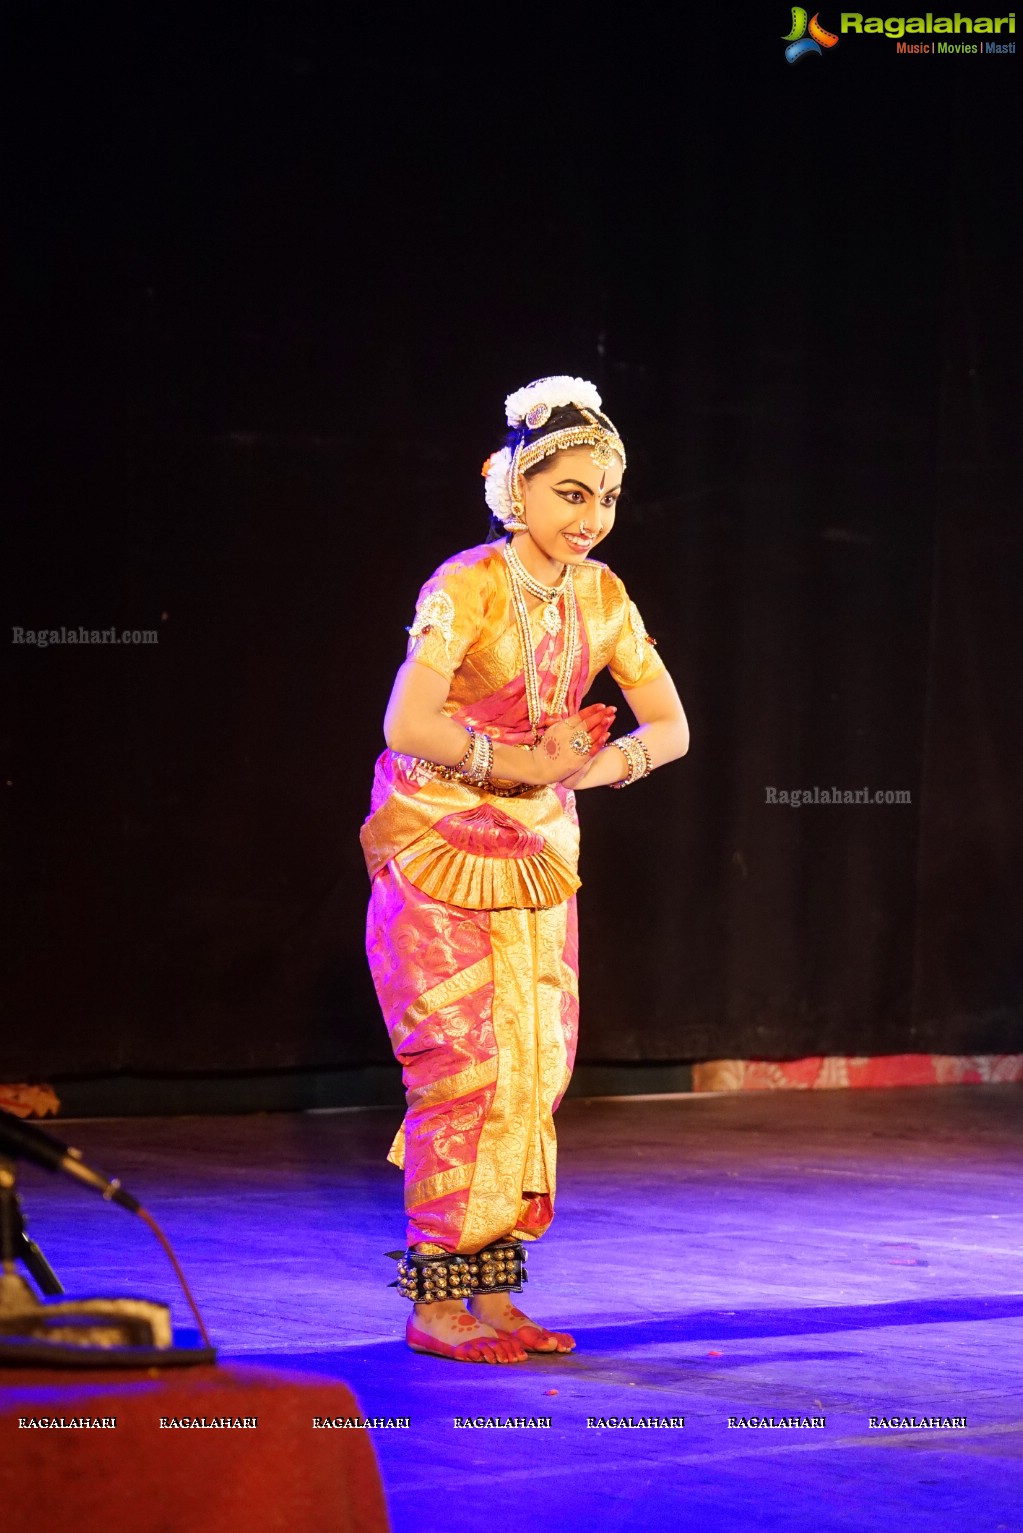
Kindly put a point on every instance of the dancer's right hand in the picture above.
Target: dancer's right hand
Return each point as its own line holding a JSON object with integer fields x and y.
{"x": 554, "y": 757}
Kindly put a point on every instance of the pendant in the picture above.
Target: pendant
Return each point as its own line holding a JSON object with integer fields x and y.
{"x": 551, "y": 618}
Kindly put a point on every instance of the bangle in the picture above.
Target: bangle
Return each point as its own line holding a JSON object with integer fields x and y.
{"x": 482, "y": 760}
{"x": 483, "y": 764}
{"x": 462, "y": 765}
{"x": 637, "y": 759}
{"x": 475, "y": 767}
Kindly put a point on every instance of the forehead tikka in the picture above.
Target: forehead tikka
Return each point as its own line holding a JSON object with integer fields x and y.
{"x": 603, "y": 443}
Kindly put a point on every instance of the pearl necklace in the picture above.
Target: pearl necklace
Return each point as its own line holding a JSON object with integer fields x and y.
{"x": 549, "y": 595}
{"x": 565, "y": 587}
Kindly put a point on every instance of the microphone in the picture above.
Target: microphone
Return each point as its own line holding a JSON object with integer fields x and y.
{"x": 23, "y": 1141}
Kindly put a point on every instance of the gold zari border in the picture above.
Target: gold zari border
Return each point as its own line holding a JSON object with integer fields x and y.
{"x": 454, "y": 1179}
{"x": 474, "y": 1078}
{"x": 455, "y": 988}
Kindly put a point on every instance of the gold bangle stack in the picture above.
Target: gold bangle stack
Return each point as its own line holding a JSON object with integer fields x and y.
{"x": 637, "y": 758}
{"x": 481, "y": 765}
{"x": 479, "y": 757}
{"x": 475, "y": 766}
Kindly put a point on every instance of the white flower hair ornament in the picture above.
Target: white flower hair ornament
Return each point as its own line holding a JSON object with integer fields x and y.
{"x": 534, "y": 405}
{"x": 496, "y": 473}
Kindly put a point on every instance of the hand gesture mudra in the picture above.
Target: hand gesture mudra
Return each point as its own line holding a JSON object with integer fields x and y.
{"x": 569, "y": 744}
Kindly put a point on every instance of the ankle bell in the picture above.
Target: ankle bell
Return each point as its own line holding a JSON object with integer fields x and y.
{"x": 426, "y": 1278}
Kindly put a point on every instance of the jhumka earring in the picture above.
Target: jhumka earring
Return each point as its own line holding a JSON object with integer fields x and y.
{"x": 516, "y": 522}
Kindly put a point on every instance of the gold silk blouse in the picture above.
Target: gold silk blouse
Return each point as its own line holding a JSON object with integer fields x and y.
{"x": 462, "y": 844}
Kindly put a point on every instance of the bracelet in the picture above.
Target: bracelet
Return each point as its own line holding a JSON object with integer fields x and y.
{"x": 462, "y": 765}
{"x": 476, "y": 768}
{"x": 479, "y": 768}
{"x": 637, "y": 759}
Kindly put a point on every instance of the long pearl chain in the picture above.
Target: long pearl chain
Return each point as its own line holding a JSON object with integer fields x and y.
{"x": 520, "y": 583}
{"x": 549, "y": 595}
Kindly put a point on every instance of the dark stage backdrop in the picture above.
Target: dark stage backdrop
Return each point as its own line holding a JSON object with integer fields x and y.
{"x": 274, "y": 280}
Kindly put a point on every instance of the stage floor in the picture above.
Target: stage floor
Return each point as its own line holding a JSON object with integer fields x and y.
{"x": 845, "y": 1255}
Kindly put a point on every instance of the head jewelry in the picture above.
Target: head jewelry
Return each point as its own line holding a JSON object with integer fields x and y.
{"x": 529, "y": 409}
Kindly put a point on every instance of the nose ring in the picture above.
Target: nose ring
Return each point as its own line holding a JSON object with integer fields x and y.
{"x": 583, "y": 528}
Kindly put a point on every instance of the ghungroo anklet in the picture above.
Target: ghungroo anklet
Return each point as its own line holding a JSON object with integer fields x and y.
{"x": 424, "y": 1278}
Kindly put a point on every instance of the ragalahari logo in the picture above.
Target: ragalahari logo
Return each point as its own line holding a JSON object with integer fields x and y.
{"x": 799, "y": 44}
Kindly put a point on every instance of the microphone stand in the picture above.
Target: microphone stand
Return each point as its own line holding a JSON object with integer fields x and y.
{"x": 81, "y": 1332}
{"x": 15, "y": 1244}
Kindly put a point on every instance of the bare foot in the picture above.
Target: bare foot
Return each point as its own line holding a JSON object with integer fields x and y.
{"x": 498, "y": 1311}
{"x": 446, "y": 1329}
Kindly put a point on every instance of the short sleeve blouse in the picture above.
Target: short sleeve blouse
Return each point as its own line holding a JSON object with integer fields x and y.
{"x": 449, "y": 617}
{"x": 633, "y": 660}
{"x": 464, "y": 608}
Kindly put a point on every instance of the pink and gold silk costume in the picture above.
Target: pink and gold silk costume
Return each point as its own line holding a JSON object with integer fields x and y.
{"x": 471, "y": 934}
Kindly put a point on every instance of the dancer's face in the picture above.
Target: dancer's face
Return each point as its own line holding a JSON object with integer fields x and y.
{"x": 570, "y": 504}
